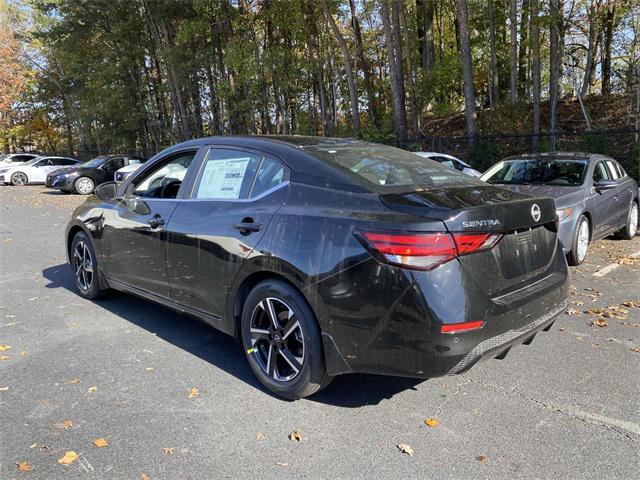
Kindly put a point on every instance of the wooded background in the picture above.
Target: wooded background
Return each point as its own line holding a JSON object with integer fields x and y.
{"x": 84, "y": 77}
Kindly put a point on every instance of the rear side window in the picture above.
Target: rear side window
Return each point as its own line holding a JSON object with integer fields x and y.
{"x": 64, "y": 161}
{"x": 613, "y": 171}
{"x": 227, "y": 174}
{"x": 270, "y": 174}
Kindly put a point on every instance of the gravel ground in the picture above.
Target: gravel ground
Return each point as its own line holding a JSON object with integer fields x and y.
{"x": 121, "y": 369}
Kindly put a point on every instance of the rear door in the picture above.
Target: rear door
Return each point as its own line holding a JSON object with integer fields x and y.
{"x": 625, "y": 192}
{"x": 211, "y": 234}
{"x": 134, "y": 228}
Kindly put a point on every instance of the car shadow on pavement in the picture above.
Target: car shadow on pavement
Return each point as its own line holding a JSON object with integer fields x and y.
{"x": 217, "y": 348}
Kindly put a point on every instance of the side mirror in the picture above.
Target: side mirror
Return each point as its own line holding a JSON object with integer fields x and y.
{"x": 106, "y": 191}
{"x": 602, "y": 185}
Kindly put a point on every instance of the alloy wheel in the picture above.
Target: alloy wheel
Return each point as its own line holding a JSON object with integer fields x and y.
{"x": 84, "y": 186}
{"x": 83, "y": 264}
{"x": 277, "y": 340}
{"x": 633, "y": 220}
{"x": 583, "y": 240}
{"x": 19, "y": 179}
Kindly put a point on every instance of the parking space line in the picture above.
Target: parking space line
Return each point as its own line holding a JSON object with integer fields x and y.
{"x": 609, "y": 268}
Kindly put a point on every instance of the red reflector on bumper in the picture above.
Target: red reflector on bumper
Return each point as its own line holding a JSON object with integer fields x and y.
{"x": 461, "y": 327}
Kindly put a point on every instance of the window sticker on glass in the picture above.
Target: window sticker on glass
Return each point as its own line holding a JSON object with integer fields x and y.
{"x": 223, "y": 178}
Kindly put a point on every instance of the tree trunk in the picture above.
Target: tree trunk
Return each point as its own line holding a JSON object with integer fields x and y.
{"x": 399, "y": 113}
{"x": 522, "y": 50}
{"x": 467, "y": 72}
{"x": 535, "y": 70}
{"x": 315, "y": 60}
{"x": 365, "y": 65}
{"x": 415, "y": 121}
{"x": 591, "y": 49}
{"x": 396, "y": 5}
{"x": 555, "y": 65}
{"x": 609, "y": 26}
{"x": 513, "y": 51}
{"x": 424, "y": 12}
{"x": 348, "y": 66}
{"x": 493, "y": 63}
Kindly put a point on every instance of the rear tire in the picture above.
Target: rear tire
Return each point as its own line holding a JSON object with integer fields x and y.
{"x": 84, "y": 186}
{"x": 580, "y": 242}
{"x": 286, "y": 353}
{"x": 19, "y": 179}
{"x": 84, "y": 264}
{"x": 631, "y": 228}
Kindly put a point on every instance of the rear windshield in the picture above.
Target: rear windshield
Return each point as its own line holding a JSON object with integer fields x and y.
{"x": 526, "y": 171}
{"x": 389, "y": 168}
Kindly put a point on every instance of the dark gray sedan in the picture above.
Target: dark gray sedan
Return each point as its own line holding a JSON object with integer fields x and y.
{"x": 594, "y": 195}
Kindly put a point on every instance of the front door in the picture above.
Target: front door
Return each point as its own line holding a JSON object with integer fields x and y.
{"x": 605, "y": 202}
{"x": 211, "y": 234}
{"x": 134, "y": 230}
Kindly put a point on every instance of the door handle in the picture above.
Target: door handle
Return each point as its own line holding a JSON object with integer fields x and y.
{"x": 247, "y": 226}
{"x": 156, "y": 221}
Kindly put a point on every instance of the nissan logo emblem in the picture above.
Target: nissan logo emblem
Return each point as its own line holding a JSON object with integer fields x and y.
{"x": 535, "y": 212}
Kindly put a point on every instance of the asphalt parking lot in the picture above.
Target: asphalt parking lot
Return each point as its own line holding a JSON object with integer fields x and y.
{"x": 176, "y": 399}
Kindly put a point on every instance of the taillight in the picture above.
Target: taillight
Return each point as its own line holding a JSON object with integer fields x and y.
{"x": 424, "y": 251}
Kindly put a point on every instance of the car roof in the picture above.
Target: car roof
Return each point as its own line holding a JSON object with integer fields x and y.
{"x": 562, "y": 155}
{"x": 305, "y": 166}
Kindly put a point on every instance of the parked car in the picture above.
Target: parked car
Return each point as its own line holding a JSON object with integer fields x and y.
{"x": 124, "y": 172}
{"x": 84, "y": 178}
{"x": 451, "y": 162}
{"x": 326, "y": 256}
{"x": 594, "y": 195}
{"x": 16, "y": 158}
{"x": 33, "y": 171}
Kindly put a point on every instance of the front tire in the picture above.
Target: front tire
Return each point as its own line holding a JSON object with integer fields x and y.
{"x": 631, "y": 228}
{"x": 84, "y": 186}
{"x": 282, "y": 342}
{"x": 19, "y": 179}
{"x": 580, "y": 242}
{"x": 85, "y": 267}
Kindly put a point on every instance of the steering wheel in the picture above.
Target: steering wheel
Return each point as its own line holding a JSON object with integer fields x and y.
{"x": 175, "y": 184}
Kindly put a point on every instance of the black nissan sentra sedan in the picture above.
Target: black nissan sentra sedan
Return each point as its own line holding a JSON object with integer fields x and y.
{"x": 327, "y": 256}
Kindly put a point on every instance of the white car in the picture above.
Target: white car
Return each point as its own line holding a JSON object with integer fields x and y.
{"x": 33, "y": 171}
{"x": 16, "y": 158}
{"x": 451, "y": 162}
{"x": 122, "y": 173}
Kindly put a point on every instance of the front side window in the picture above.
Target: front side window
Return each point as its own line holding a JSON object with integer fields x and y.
{"x": 600, "y": 172}
{"x": 165, "y": 180}
{"x": 227, "y": 174}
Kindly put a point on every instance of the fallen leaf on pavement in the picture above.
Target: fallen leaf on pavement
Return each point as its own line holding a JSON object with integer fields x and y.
{"x": 69, "y": 458}
{"x": 4, "y": 348}
{"x": 431, "y": 422}
{"x": 282, "y": 464}
{"x": 92, "y": 389}
{"x": 74, "y": 380}
{"x": 295, "y": 436}
{"x": 34, "y": 445}
{"x": 23, "y": 466}
{"x": 481, "y": 458}
{"x": 67, "y": 424}
{"x": 4, "y": 389}
{"x": 631, "y": 304}
{"x": 169, "y": 450}
{"x": 145, "y": 477}
{"x": 404, "y": 448}
{"x": 101, "y": 442}
{"x": 4, "y": 357}
{"x": 149, "y": 369}
{"x": 193, "y": 392}
{"x": 572, "y": 311}
{"x": 23, "y": 353}
{"x": 260, "y": 436}
{"x": 637, "y": 350}
{"x": 600, "y": 322}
